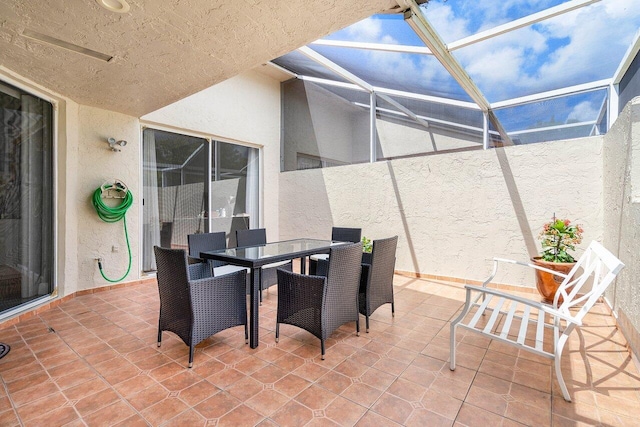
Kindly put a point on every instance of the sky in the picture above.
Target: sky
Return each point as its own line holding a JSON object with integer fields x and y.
{"x": 577, "y": 47}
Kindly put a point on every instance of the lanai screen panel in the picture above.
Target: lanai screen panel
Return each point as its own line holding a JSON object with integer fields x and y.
{"x": 565, "y": 117}
{"x": 435, "y": 127}
{"x": 383, "y": 29}
{"x": 322, "y": 128}
{"x": 578, "y": 47}
{"x": 456, "y": 19}
{"x": 299, "y": 64}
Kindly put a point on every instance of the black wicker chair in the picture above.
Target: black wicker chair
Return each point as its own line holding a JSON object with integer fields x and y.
{"x": 203, "y": 242}
{"x": 194, "y": 305}
{"x": 321, "y": 304}
{"x": 255, "y": 237}
{"x": 376, "y": 283}
{"x": 338, "y": 234}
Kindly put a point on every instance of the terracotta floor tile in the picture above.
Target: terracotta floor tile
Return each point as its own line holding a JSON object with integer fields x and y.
{"x": 109, "y": 415}
{"x": 441, "y": 404}
{"x": 134, "y": 385}
{"x": 361, "y": 394}
{"x": 397, "y": 374}
{"x": 58, "y": 417}
{"x": 528, "y": 414}
{"x": 27, "y": 395}
{"x": 267, "y": 402}
{"x": 371, "y": 419}
{"x": 292, "y": 414}
{"x": 164, "y": 410}
{"x": 86, "y": 388}
{"x": 189, "y": 418}
{"x": 9, "y": 418}
{"x": 424, "y": 417}
{"x": 334, "y": 382}
{"x": 39, "y": 407}
{"x": 311, "y": 371}
{"x": 245, "y": 388}
{"x": 291, "y": 385}
{"x": 92, "y": 403}
{"x": 198, "y": 392}
{"x": 315, "y": 397}
{"x": 407, "y": 390}
{"x": 241, "y": 415}
{"x": 225, "y": 378}
{"x": 269, "y": 374}
{"x": 344, "y": 412}
{"x": 181, "y": 380}
{"x": 20, "y": 372}
{"x": 393, "y": 407}
{"x": 148, "y": 397}
{"x": 217, "y": 405}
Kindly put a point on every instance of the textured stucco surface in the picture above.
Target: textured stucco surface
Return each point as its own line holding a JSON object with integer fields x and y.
{"x": 163, "y": 50}
{"x": 621, "y": 182}
{"x": 244, "y": 110}
{"x": 453, "y": 211}
{"x": 96, "y": 165}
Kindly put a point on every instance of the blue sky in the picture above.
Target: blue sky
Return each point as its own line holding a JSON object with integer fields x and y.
{"x": 574, "y": 48}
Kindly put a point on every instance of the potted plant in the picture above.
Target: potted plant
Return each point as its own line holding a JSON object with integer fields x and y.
{"x": 558, "y": 237}
{"x": 367, "y": 246}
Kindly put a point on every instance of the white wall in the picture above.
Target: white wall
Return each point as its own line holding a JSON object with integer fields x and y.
{"x": 622, "y": 217}
{"x": 245, "y": 110}
{"x": 453, "y": 211}
{"x": 97, "y": 164}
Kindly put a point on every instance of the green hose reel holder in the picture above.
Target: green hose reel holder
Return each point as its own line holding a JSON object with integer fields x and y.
{"x": 113, "y": 190}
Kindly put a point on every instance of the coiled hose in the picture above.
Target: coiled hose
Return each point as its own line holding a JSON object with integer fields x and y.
{"x": 113, "y": 214}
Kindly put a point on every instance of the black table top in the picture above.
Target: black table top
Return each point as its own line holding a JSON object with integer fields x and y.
{"x": 257, "y": 256}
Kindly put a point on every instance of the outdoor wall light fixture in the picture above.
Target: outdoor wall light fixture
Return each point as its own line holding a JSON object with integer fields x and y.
{"x": 115, "y": 145}
{"x": 118, "y": 6}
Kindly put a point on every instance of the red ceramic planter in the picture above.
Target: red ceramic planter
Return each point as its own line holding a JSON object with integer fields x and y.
{"x": 548, "y": 283}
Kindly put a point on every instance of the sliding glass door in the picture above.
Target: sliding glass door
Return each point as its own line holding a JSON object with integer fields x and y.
{"x": 26, "y": 197}
{"x": 195, "y": 185}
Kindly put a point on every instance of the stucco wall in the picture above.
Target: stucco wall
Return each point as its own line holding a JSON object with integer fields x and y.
{"x": 97, "y": 164}
{"x": 454, "y": 211}
{"x": 621, "y": 183}
{"x": 245, "y": 110}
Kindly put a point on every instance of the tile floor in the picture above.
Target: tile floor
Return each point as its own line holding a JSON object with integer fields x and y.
{"x": 93, "y": 361}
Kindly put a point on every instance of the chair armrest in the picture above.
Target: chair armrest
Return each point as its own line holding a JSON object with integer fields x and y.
{"x": 496, "y": 262}
{"x": 194, "y": 260}
{"x": 218, "y": 291}
{"x": 535, "y": 304}
{"x": 528, "y": 264}
{"x": 299, "y": 292}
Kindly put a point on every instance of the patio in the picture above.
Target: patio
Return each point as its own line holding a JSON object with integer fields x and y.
{"x": 93, "y": 360}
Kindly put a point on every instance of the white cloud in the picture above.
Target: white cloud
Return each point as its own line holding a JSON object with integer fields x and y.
{"x": 449, "y": 26}
{"x": 584, "y": 111}
{"x": 366, "y": 30}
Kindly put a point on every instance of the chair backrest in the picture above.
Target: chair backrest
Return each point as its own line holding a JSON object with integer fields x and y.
{"x": 344, "y": 234}
{"x": 343, "y": 278}
{"x": 173, "y": 282}
{"x": 252, "y": 237}
{"x": 203, "y": 242}
{"x": 597, "y": 264}
{"x": 383, "y": 263}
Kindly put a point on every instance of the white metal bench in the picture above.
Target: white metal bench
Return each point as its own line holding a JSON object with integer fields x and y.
{"x": 525, "y": 323}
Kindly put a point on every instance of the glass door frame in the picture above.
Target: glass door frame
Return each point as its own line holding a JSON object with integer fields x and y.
{"x": 212, "y": 147}
{"x": 55, "y": 126}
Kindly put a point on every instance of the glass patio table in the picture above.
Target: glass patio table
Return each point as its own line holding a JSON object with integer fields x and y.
{"x": 255, "y": 257}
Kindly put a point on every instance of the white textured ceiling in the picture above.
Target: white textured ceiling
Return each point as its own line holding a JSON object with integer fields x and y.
{"x": 163, "y": 50}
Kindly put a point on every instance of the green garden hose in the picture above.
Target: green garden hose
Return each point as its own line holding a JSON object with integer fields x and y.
{"x": 113, "y": 214}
